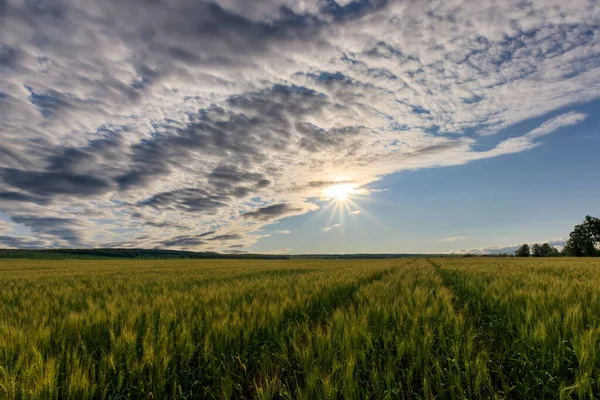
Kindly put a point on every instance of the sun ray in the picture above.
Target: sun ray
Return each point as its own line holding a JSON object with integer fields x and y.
{"x": 341, "y": 191}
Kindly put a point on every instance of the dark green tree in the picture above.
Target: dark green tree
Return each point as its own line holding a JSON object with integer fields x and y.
{"x": 554, "y": 253}
{"x": 584, "y": 241}
{"x": 523, "y": 251}
{"x": 536, "y": 250}
{"x": 546, "y": 249}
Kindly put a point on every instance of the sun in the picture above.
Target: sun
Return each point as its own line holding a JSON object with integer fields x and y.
{"x": 340, "y": 192}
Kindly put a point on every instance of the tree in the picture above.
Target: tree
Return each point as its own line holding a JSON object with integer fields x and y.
{"x": 536, "y": 250}
{"x": 523, "y": 251}
{"x": 546, "y": 249}
{"x": 554, "y": 253}
{"x": 584, "y": 241}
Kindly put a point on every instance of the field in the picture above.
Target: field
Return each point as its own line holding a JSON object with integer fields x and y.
{"x": 300, "y": 329}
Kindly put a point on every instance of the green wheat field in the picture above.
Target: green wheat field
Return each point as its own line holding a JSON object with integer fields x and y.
{"x": 444, "y": 328}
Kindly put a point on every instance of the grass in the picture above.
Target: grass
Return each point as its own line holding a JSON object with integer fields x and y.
{"x": 300, "y": 329}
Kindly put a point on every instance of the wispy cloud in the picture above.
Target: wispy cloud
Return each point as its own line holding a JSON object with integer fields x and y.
{"x": 283, "y": 232}
{"x": 223, "y": 116}
{"x": 454, "y": 238}
{"x": 328, "y": 228}
{"x": 355, "y": 212}
{"x": 528, "y": 141}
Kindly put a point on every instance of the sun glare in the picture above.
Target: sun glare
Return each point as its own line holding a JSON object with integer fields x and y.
{"x": 340, "y": 192}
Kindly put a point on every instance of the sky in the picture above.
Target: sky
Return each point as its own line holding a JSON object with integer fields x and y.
{"x": 289, "y": 126}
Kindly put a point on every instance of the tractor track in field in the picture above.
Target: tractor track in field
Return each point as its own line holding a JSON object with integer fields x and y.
{"x": 318, "y": 311}
{"x": 512, "y": 370}
{"x": 485, "y": 338}
{"x": 262, "y": 341}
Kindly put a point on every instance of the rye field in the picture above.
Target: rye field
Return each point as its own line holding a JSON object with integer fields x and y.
{"x": 300, "y": 329}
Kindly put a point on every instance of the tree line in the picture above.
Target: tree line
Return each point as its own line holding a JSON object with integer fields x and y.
{"x": 584, "y": 241}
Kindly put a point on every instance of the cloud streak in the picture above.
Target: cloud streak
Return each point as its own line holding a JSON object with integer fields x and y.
{"x": 328, "y": 228}
{"x": 150, "y": 123}
{"x": 454, "y": 238}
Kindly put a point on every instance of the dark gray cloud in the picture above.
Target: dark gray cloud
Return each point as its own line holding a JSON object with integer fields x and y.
{"x": 209, "y": 233}
{"x": 243, "y": 139}
{"x": 48, "y": 103}
{"x": 271, "y": 212}
{"x": 231, "y": 174}
{"x": 63, "y": 228}
{"x": 186, "y": 200}
{"x": 212, "y": 135}
{"x": 233, "y": 236}
{"x": 18, "y": 197}
{"x": 184, "y": 241}
{"x": 166, "y": 225}
{"x": 101, "y": 156}
{"x": 320, "y": 184}
{"x": 20, "y": 242}
{"x": 43, "y": 183}
{"x": 8, "y": 56}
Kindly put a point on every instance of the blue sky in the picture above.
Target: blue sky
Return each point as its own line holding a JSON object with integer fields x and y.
{"x": 488, "y": 206}
{"x": 236, "y": 126}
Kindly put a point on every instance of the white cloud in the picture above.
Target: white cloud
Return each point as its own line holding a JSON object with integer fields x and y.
{"x": 283, "y": 232}
{"x": 527, "y": 141}
{"x": 5, "y": 226}
{"x": 328, "y": 228}
{"x": 355, "y": 212}
{"x": 454, "y": 238}
{"x": 568, "y": 119}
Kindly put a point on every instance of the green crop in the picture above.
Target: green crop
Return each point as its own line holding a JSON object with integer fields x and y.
{"x": 300, "y": 329}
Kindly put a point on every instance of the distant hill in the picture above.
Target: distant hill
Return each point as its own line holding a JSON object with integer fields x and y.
{"x": 99, "y": 254}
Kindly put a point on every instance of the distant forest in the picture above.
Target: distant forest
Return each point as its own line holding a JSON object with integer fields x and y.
{"x": 102, "y": 254}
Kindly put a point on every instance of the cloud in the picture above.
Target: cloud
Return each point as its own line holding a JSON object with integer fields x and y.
{"x": 283, "y": 232}
{"x": 355, "y": 212}
{"x": 186, "y": 200}
{"x": 527, "y": 141}
{"x": 454, "y": 238}
{"x": 229, "y": 115}
{"x": 54, "y": 183}
{"x": 271, "y": 212}
{"x": 568, "y": 119}
{"x": 227, "y": 237}
{"x": 5, "y": 226}
{"x": 184, "y": 242}
{"x": 67, "y": 229}
{"x": 328, "y": 228}
{"x": 21, "y": 242}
